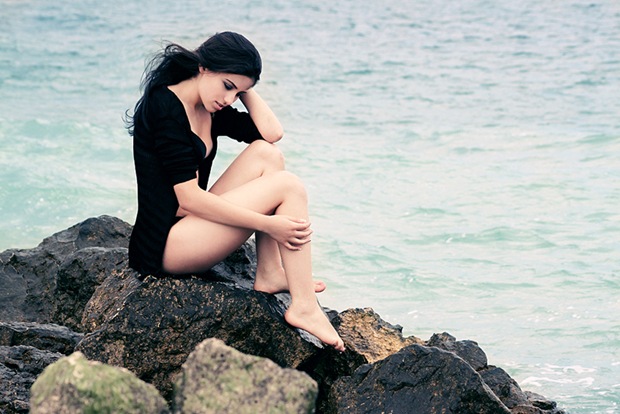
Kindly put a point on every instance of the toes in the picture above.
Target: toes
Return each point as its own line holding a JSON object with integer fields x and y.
{"x": 319, "y": 286}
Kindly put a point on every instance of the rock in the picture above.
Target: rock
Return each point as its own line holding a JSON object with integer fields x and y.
{"x": 367, "y": 338}
{"x": 365, "y": 333}
{"x": 219, "y": 379}
{"x": 78, "y": 277}
{"x": 75, "y": 385}
{"x": 108, "y": 299}
{"x": 545, "y": 405}
{"x": 19, "y": 368}
{"x": 160, "y": 321}
{"x": 49, "y": 337}
{"x": 468, "y": 350}
{"x": 28, "y": 277}
{"x": 504, "y": 387}
{"x": 415, "y": 379}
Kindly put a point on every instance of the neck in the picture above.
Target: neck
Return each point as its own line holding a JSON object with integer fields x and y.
{"x": 187, "y": 92}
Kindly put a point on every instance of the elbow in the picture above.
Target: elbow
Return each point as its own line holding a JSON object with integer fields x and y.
{"x": 187, "y": 194}
{"x": 274, "y": 136}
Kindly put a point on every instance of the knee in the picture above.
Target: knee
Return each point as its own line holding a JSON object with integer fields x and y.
{"x": 269, "y": 153}
{"x": 292, "y": 184}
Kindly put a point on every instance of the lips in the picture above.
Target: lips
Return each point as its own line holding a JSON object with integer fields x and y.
{"x": 219, "y": 106}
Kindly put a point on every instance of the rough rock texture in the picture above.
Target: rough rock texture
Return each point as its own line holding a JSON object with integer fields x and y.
{"x": 19, "y": 367}
{"x": 415, "y": 379}
{"x": 509, "y": 392}
{"x": 468, "y": 350}
{"x": 162, "y": 320}
{"x": 367, "y": 338}
{"x": 79, "y": 278}
{"x": 29, "y": 277}
{"x": 219, "y": 379}
{"x": 108, "y": 298}
{"x": 75, "y": 385}
{"x": 48, "y": 337}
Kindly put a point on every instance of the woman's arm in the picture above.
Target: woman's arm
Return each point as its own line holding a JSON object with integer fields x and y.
{"x": 288, "y": 231}
{"x": 264, "y": 118}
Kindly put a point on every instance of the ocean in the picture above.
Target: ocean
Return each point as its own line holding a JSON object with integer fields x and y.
{"x": 459, "y": 156}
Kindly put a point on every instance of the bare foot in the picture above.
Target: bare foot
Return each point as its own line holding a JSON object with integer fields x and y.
{"x": 312, "y": 319}
{"x": 276, "y": 283}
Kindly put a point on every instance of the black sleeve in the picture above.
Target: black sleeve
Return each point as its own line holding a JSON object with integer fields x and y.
{"x": 175, "y": 150}
{"x": 235, "y": 124}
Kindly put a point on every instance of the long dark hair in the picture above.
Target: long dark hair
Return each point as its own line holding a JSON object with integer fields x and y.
{"x": 225, "y": 52}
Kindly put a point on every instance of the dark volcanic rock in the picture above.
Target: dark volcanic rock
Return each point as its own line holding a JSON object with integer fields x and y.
{"x": 28, "y": 277}
{"x": 367, "y": 338}
{"x": 48, "y": 337}
{"x": 78, "y": 276}
{"x": 19, "y": 368}
{"x": 509, "y": 392}
{"x": 417, "y": 379}
{"x": 160, "y": 321}
{"x": 108, "y": 298}
{"x": 468, "y": 350}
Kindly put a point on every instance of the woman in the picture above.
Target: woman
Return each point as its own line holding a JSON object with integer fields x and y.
{"x": 181, "y": 228}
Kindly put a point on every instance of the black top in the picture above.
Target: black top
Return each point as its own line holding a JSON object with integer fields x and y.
{"x": 167, "y": 152}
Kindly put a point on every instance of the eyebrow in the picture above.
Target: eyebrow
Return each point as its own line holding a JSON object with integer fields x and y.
{"x": 233, "y": 83}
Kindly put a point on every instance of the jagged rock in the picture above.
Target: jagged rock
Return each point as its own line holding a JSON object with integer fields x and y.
{"x": 75, "y": 385}
{"x": 108, "y": 299}
{"x": 219, "y": 379}
{"x": 48, "y": 337}
{"x": 161, "y": 320}
{"x": 504, "y": 387}
{"x": 78, "y": 277}
{"x": 365, "y": 333}
{"x": 468, "y": 350}
{"x": 415, "y": 379}
{"x": 367, "y": 338}
{"x": 28, "y": 277}
{"x": 19, "y": 368}
{"x": 545, "y": 405}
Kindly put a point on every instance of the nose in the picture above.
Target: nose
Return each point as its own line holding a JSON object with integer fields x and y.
{"x": 230, "y": 98}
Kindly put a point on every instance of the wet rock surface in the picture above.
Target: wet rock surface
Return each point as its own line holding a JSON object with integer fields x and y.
{"x": 76, "y": 288}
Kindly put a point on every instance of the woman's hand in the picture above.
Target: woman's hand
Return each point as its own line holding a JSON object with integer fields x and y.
{"x": 290, "y": 232}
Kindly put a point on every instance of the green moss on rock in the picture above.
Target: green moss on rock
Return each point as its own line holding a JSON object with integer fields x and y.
{"x": 75, "y": 384}
{"x": 219, "y": 379}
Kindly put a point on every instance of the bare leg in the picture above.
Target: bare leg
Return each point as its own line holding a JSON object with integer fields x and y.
{"x": 258, "y": 159}
{"x": 304, "y": 312}
{"x": 190, "y": 247}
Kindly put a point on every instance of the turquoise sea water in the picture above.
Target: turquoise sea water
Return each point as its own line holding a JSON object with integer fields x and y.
{"x": 462, "y": 158}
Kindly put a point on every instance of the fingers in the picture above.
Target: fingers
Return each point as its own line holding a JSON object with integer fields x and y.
{"x": 301, "y": 235}
{"x": 291, "y": 232}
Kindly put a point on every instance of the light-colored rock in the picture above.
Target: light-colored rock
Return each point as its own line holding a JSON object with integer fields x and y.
{"x": 219, "y": 379}
{"x": 75, "y": 385}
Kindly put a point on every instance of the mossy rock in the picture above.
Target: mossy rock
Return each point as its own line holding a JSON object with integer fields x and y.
{"x": 217, "y": 378}
{"x": 74, "y": 384}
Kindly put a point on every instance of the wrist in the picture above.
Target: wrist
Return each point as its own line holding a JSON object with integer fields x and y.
{"x": 262, "y": 223}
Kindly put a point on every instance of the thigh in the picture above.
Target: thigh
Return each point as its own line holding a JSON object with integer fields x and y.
{"x": 259, "y": 158}
{"x": 195, "y": 244}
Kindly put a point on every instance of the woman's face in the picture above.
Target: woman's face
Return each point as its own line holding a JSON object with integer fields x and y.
{"x": 218, "y": 90}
